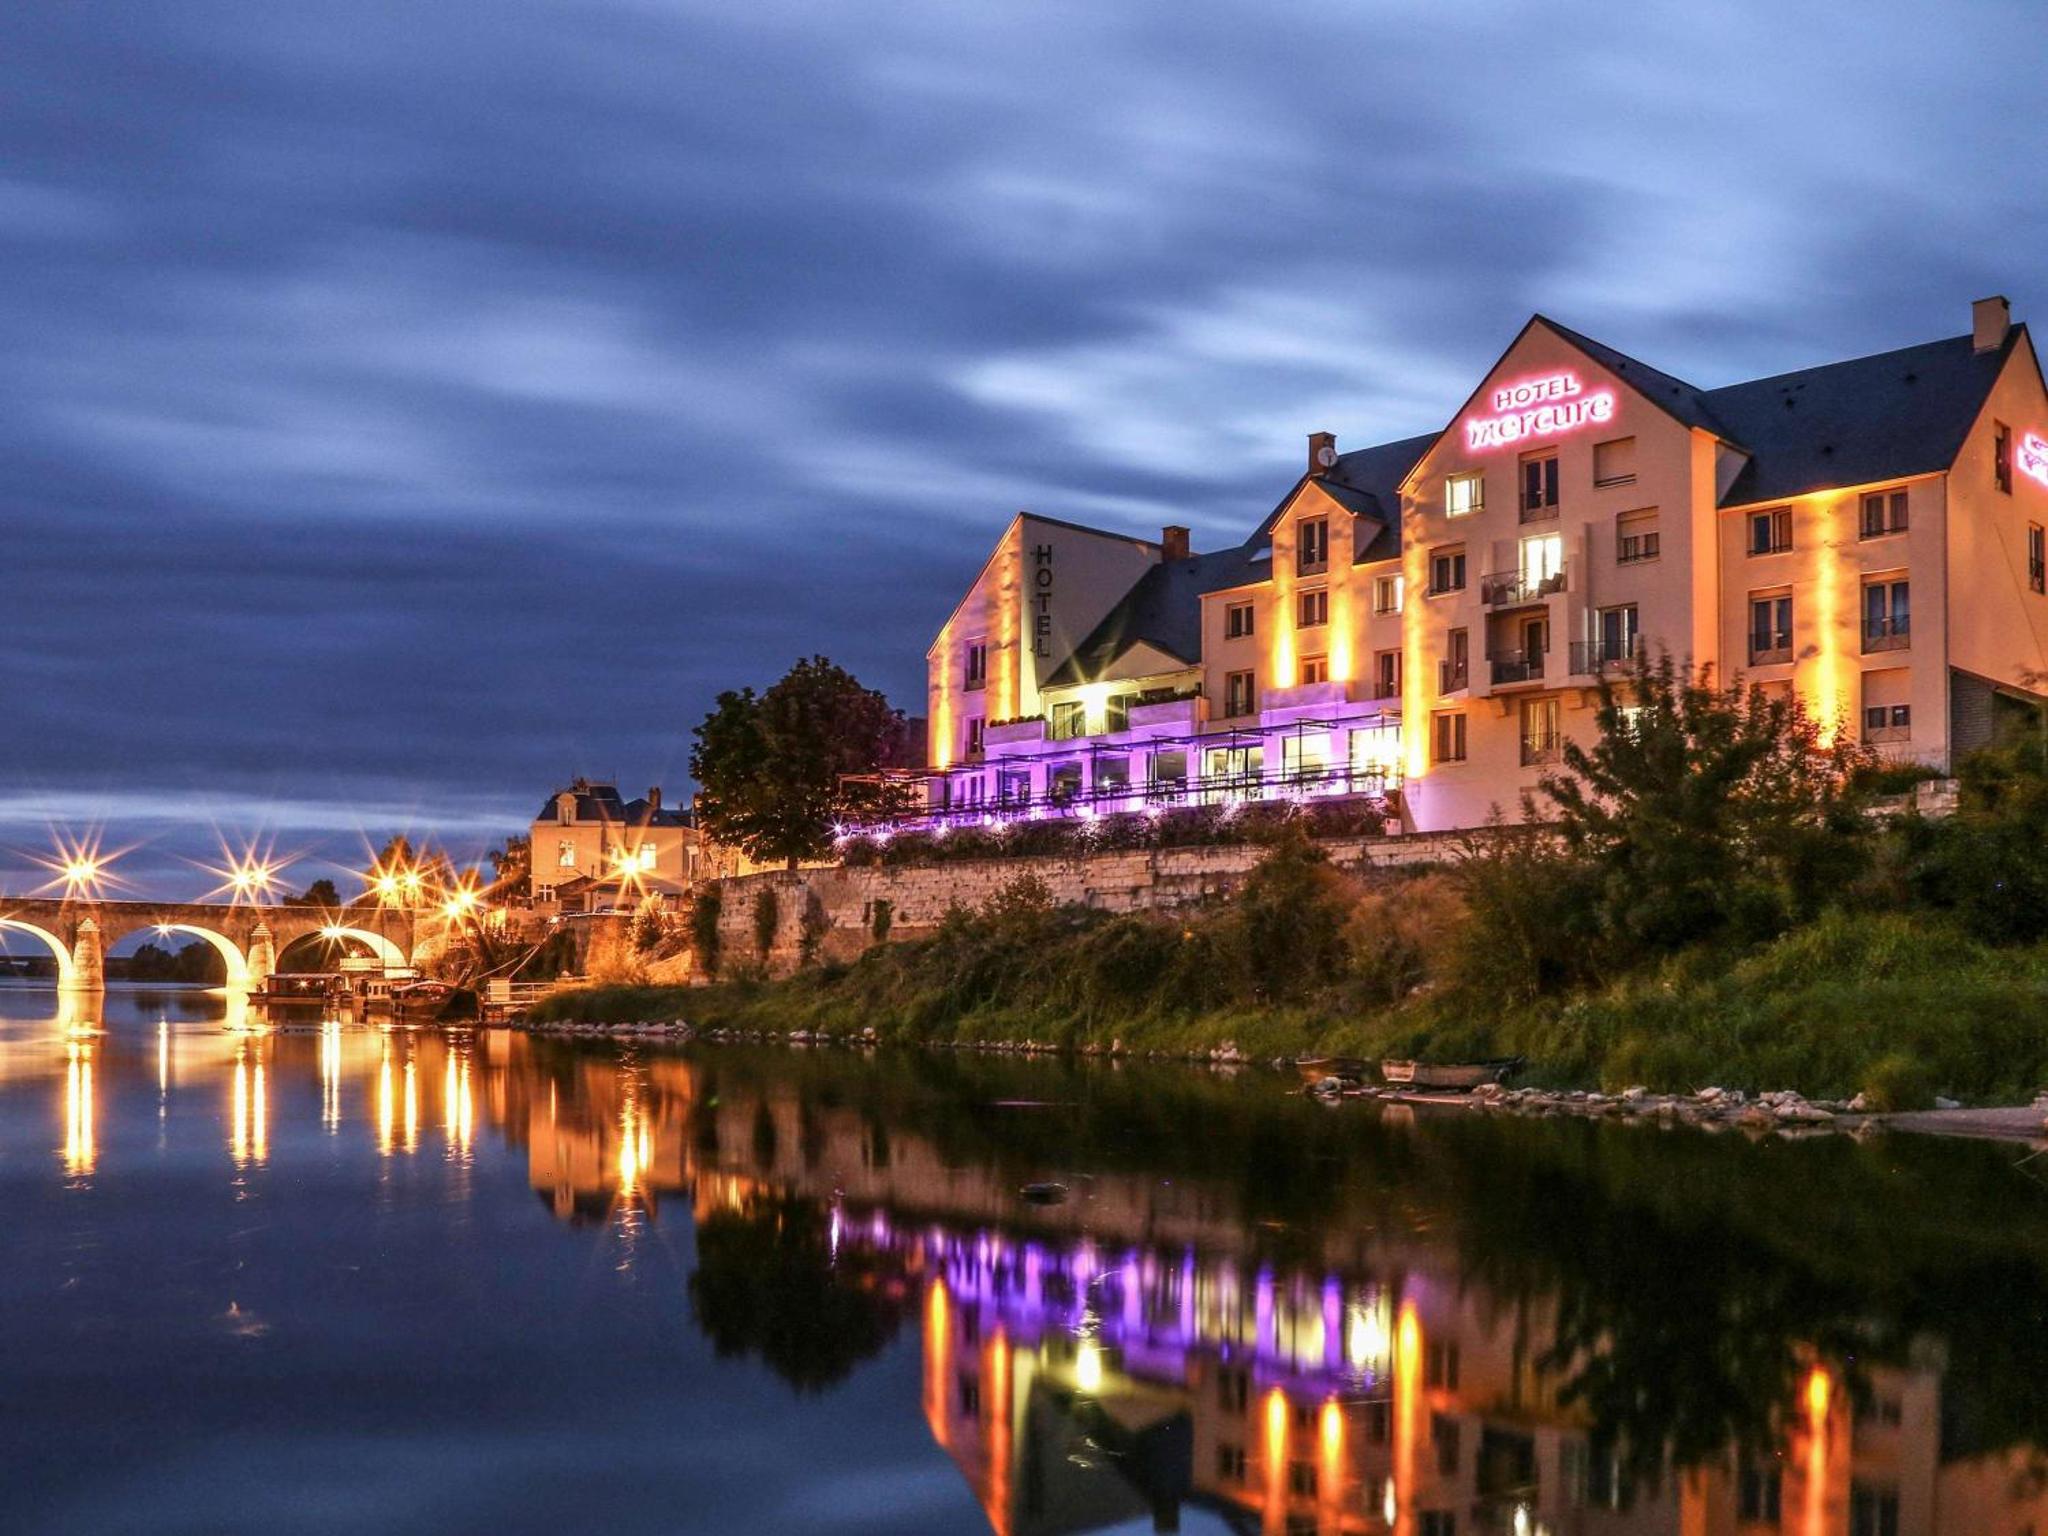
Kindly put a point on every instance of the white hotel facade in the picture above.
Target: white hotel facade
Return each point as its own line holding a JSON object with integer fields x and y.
{"x": 1426, "y": 621}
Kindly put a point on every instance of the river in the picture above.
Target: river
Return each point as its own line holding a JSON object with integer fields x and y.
{"x": 333, "y": 1278}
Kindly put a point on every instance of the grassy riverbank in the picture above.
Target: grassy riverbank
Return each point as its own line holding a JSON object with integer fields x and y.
{"x": 1711, "y": 892}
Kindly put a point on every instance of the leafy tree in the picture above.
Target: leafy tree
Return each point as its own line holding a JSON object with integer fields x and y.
{"x": 1985, "y": 863}
{"x": 1288, "y": 921}
{"x": 1702, "y": 809}
{"x": 773, "y": 769}
{"x": 511, "y": 863}
{"x": 321, "y": 893}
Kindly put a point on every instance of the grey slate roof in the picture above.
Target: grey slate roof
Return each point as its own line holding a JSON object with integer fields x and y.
{"x": 1873, "y": 418}
{"x": 1163, "y": 609}
{"x": 598, "y": 802}
{"x": 1682, "y": 400}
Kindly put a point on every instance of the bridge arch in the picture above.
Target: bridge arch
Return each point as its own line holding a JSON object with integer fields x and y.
{"x": 67, "y": 971}
{"x": 380, "y": 946}
{"x": 237, "y": 963}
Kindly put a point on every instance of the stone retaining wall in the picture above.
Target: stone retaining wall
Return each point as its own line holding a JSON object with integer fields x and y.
{"x": 918, "y": 896}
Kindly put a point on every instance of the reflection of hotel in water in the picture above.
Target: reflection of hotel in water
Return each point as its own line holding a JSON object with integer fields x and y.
{"x": 1119, "y": 1359}
{"x": 1128, "y": 1355}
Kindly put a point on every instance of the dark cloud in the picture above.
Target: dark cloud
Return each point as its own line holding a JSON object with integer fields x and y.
{"x": 405, "y": 405}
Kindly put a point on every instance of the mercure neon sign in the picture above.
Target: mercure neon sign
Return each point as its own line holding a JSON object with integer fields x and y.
{"x": 1540, "y": 407}
{"x": 2033, "y": 457}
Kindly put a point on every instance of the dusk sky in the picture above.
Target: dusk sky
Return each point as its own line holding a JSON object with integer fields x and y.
{"x": 407, "y": 407}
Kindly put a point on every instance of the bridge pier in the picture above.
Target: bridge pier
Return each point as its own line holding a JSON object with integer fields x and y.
{"x": 88, "y": 963}
{"x": 262, "y": 955}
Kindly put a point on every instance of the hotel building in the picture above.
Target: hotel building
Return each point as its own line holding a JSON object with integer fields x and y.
{"x": 593, "y": 850}
{"x": 1428, "y": 620}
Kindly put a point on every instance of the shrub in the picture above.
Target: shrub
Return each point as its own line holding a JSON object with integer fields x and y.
{"x": 1287, "y": 923}
{"x": 1898, "y": 1081}
{"x": 1401, "y": 937}
{"x": 704, "y": 938}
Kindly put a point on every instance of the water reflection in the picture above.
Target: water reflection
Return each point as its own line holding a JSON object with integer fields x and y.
{"x": 1250, "y": 1315}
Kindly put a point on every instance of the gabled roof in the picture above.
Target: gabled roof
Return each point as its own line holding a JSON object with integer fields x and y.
{"x": 1672, "y": 395}
{"x": 1367, "y": 483}
{"x": 1851, "y": 423}
{"x": 1163, "y": 610}
{"x": 1050, "y": 522}
{"x": 599, "y": 803}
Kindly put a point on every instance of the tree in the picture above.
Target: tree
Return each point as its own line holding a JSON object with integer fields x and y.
{"x": 321, "y": 893}
{"x": 773, "y": 770}
{"x": 511, "y": 863}
{"x": 1701, "y": 809}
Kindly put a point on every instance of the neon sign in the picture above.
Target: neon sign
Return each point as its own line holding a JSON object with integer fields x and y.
{"x": 2033, "y": 457}
{"x": 1542, "y": 407}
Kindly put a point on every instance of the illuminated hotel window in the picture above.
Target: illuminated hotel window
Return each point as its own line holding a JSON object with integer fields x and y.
{"x": 1068, "y": 720}
{"x": 1770, "y": 533}
{"x": 1312, "y": 609}
{"x": 1635, "y": 537}
{"x": 1315, "y": 669}
{"x": 1770, "y": 627}
{"x": 1539, "y": 485}
{"x": 1386, "y": 594}
{"x": 1883, "y": 512}
{"x": 977, "y": 664}
{"x": 1464, "y": 494}
{"x": 1447, "y": 570}
{"x": 2037, "y": 558}
{"x": 565, "y": 854}
{"x": 1239, "y": 694}
{"x": 1447, "y": 745}
{"x": 977, "y": 736}
{"x": 1542, "y": 736}
{"x": 1311, "y": 545}
{"x": 1614, "y": 463}
{"x": 1237, "y": 621}
{"x": 1386, "y": 667}
{"x": 2001, "y": 456}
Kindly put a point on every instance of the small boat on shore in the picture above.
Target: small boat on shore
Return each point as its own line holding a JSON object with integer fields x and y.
{"x": 1457, "y": 1077}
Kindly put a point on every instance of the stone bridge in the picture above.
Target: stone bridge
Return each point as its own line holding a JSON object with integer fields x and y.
{"x": 78, "y": 931}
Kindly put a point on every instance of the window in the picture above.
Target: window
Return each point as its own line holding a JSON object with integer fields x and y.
{"x": 1386, "y": 594}
{"x": 1315, "y": 669}
{"x": 1759, "y": 1494}
{"x": 1301, "y": 1479}
{"x": 1438, "y": 1522}
{"x": 1447, "y": 569}
{"x": 1440, "y": 1363}
{"x": 1311, "y": 545}
{"x": 1068, "y": 720}
{"x": 1464, "y": 494}
{"x": 1542, "y": 731}
{"x": 1770, "y": 628}
{"x": 1873, "y": 1511}
{"x": 1386, "y": 672}
{"x": 1311, "y": 609}
{"x": 977, "y": 664}
{"x": 1887, "y": 722}
{"x": 1169, "y": 767}
{"x": 977, "y": 735}
{"x": 1539, "y": 485}
{"x": 1443, "y": 1434}
{"x": 2001, "y": 456}
{"x": 1454, "y": 671}
{"x": 1237, "y": 620}
{"x": 1887, "y": 615}
{"x": 1116, "y": 712}
{"x": 1447, "y": 738}
{"x": 1618, "y": 635}
{"x": 1233, "y": 1390}
{"x": 1770, "y": 533}
{"x": 565, "y": 854}
{"x": 1883, "y": 512}
{"x": 1614, "y": 463}
{"x": 2037, "y": 558}
{"x": 1635, "y": 537}
{"x": 1230, "y": 1464}
{"x": 1542, "y": 563}
{"x": 1239, "y": 697}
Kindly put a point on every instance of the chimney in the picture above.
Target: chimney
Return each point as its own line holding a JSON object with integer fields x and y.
{"x": 654, "y": 798}
{"x": 1322, "y": 452}
{"x": 1173, "y": 542}
{"x": 1990, "y": 319}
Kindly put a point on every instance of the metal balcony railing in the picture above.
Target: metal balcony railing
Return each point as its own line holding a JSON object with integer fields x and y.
{"x": 1887, "y": 635}
{"x": 1878, "y": 735}
{"x": 1453, "y": 675}
{"x": 1516, "y": 667}
{"x": 1590, "y": 657}
{"x": 1633, "y": 547}
{"x": 1540, "y": 748}
{"x": 1510, "y": 587}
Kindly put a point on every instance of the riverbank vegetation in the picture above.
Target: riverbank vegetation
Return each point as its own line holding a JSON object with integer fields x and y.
{"x": 1712, "y": 890}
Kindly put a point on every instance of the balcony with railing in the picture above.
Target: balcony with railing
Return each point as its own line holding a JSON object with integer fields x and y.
{"x": 1508, "y": 589}
{"x": 1592, "y": 657}
{"x": 1453, "y": 674}
{"x": 1633, "y": 548}
{"x": 1541, "y": 748}
{"x": 1512, "y": 667}
{"x": 1881, "y": 735}
{"x": 1769, "y": 650}
{"x": 1894, "y": 634}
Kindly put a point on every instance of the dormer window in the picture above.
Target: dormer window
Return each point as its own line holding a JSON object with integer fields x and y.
{"x": 1312, "y": 545}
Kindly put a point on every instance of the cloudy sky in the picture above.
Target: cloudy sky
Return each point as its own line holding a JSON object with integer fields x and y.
{"x": 404, "y": 406}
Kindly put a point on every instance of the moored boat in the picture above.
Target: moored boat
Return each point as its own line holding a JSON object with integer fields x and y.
{"x": 1314, "y": 1069}
{"x": 1454, "y": 1076}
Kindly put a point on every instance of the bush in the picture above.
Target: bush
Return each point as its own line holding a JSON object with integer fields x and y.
{"x": 1401, "y": 938}
{"x": 812, "y": 927}
{"x": 1897, "y": 1081}
{"x": 705, "y": 908}
{"x": 1286, "y": 926}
